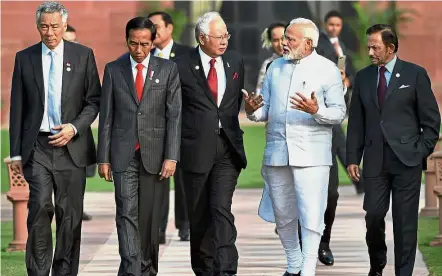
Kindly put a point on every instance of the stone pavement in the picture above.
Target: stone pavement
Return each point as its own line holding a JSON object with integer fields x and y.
{"x": 259, "y": 248}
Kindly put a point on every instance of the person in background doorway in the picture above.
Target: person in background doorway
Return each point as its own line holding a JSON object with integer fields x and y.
{"x": 271, "y": 38}
{"x": 71, "y": 35}
{"x": 166, "y": 47}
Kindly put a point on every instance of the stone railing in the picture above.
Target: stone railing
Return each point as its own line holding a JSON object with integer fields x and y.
{"x": 437, "y": 191}
{"x": 18, "y": 194}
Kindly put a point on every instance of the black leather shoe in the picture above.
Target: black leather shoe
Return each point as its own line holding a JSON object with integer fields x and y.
{"x": 291, "y": 274}
{"x": 325, "y": 255}
{"x": 184, "y": 234}
{"x": 86, "y": 217}
{"x": 162, "y": 238}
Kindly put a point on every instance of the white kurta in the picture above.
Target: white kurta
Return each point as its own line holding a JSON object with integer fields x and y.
{"x": 295, "y": 138}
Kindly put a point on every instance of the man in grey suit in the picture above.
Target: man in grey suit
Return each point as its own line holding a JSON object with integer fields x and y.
{"x": 139, "y": 142}
{"x": 54, "y": 99}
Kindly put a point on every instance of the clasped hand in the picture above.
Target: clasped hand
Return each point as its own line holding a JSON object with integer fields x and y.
{"x": 252, "y": 102}
{"x": 300, "y": 102}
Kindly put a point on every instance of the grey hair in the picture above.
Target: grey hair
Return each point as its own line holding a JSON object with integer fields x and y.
{"x": 310, "y": 31}
{"x": 51, "y": 7}
{"x": 203, "y": 22}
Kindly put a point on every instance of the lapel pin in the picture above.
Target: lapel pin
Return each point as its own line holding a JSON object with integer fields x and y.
{"x": 228, "y": 65}
{"x": 172, "y": 55}
{"x": 398, "y": 75}
{"x": 197, "y": 67}
{"x": 151, "y": 74}
{"x": 68, "y": 69}
{"x": 157, "y": 80}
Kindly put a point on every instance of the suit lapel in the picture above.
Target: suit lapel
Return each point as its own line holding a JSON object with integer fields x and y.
{"x": 36, "y": 60}
{"x": 173, "y": 52}
{"x": 126, "y": 68}
{"x": 374, "y": 83}
{"x": 151, "y": 69}
{"x": 197, "y": 69}
{"x": 228, "y": 70}
{"x": 68, "y": 58}
{"x": 394, "y": 80}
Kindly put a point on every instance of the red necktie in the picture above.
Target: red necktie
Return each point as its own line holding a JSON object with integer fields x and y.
{"x": 382, "y": 86}
{"x": 139, "y": 85}
{"x": 212, "y": 80}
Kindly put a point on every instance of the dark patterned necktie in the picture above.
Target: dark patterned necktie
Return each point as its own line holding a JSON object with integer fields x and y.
{"x": 382, "y": 86}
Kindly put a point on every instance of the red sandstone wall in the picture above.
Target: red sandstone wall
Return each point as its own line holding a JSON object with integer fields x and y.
{"x": 422, "y": 40}
{"x": 100, "y": 25}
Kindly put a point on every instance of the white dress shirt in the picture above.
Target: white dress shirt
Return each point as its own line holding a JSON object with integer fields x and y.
{"x": 221, "y": 75}
{"x": 134, "y": 64}
{"x": 165, "y": 52}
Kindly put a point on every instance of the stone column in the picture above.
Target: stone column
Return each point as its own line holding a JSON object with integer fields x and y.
{"x": 18, "y": 194}
{"x": 431, "y": 209}
{"x": 438, "y": 239}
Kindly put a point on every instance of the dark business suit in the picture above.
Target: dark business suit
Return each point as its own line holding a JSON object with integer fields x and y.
{"x": 211, "y": 161}
{"x": 155, "y": 122}
{"x": 181, "y": 218}
{"x": 47, "y": 168}
{"x": 395, "y": 138}
{"x": 326, "y": 49}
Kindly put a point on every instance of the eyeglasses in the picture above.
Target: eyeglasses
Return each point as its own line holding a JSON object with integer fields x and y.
{"x": 219, "y": 38}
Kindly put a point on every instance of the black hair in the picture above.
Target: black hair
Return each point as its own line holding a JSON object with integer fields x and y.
{"x": 388, "y": 34}
{"x": 141, "y": 23}
{"x": 331, "y": 14}
{"x": 165, "y": 16}
{"x": 70, "y": 29}
{"x": 273, "y": 26}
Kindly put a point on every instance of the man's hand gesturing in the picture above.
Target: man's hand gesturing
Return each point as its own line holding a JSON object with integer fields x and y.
{"x": 252, "y": 102}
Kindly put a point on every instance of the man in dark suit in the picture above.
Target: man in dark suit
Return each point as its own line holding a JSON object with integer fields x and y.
{"x": 138, "y": 142}
{"x": 212, "y": 151}
{"x": 54, "y": 99}
{"x": 332, "y": 48}
{"x": 166, "y": 48}
{"x": 394, "y": 123}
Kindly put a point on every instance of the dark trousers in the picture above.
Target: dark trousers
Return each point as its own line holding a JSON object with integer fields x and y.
{"x": 48, "y": 170}
{"x": 209, "y": 201}
{"x": 338, "y": 151}
{"x": 181, "y": 218}
{"x": 404, "y": 185}
{"x": 137, "y": 196}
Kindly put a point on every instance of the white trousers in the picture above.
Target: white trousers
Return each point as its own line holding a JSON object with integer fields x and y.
{"x": 299, "y": 193}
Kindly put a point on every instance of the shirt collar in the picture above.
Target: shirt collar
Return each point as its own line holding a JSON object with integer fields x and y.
{"x": 205, "y": 59}
{"x": 390, "y": 65}
{"x": 145, "y": 62}
{"x": 307, "y": 58}
{"x": 58, "y": 50}
{"x": 166, "y": 50}
{"x": 333, "y": 39}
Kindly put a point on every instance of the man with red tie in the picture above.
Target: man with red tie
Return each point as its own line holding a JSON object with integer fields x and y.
{"x": 212, "y": 151}
{"x": 138, "y": 143}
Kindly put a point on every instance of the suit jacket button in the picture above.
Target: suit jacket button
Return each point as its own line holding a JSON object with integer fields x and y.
{"x": 382, "y": 122}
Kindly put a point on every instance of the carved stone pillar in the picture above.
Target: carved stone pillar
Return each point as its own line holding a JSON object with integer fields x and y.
{"x": 18, "y": 194}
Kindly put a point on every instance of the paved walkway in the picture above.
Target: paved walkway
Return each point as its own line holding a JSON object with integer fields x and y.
{"x": 259, "y": 248}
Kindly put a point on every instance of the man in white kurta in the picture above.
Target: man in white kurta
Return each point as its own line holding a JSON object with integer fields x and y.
{"x": 301, "y": 98}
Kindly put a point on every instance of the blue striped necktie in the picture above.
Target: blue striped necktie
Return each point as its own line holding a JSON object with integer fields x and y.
{"x": 54, "y": 108}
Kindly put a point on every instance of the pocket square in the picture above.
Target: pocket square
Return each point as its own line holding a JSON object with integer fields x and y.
{"x": 235, "y": 76}
{"x": 403, "y": 86}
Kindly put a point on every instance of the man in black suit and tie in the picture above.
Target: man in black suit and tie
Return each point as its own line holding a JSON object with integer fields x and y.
{"x": 54, "y": 99}
{"x": 138, "y": 143}
{"x": 212, "y": 151}
{"x": 394, "y": 123}
{"x": 166, "y": 48}
{"x": 332, "y": 48}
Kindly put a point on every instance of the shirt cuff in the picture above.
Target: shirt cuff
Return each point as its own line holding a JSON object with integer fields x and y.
{"x": 172, "y": 160}
{"x": 75, "y": 129}
{"x": 15, "y": 158}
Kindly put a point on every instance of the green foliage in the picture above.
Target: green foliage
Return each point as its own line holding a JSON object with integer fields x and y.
{"x": 178, "y": 16}
{"x": 368, "y": 15}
